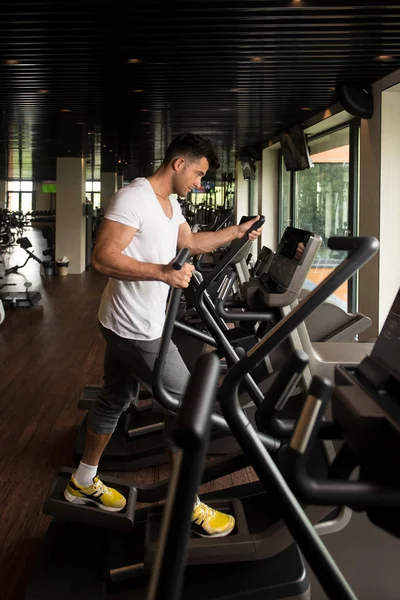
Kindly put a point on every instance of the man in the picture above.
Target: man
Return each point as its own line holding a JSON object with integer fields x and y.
{"x": 136, "y": 247}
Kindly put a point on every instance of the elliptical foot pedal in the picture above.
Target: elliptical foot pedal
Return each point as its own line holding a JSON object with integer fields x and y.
{"x": 56, "y": 505}
{"x": 89, "y": 395}
{"x": 224, "y": 549}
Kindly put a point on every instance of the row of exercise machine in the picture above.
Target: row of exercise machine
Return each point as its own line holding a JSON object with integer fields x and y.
{"x": 12, "y": 236}
{"x": 271, "y": 411}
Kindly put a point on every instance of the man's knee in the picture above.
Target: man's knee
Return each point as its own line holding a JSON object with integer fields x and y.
{"x": 104, "y": 416}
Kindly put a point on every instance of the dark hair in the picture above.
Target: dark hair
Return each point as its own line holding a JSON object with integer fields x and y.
{"x": 193, "y": 147}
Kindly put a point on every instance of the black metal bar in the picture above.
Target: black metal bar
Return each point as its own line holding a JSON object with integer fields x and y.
{"x": 180, "y": 259}
{"x": 354, "y": 131}
{"x": 228, "y": 351}
{"x": 282, "y": 387}
{"x": 158, "y": 388}
{"x": 230, "y": 315}
{"x": 195, "y": 333}
{"x": 196, "y": 282}
{"x": 191, "y": 435}
{"x": 324, "y": 567}
{"x": 159, "y": 391}
{"x": 360, "y": 251}
{"x": 358, "y": 495}
{"x": 236, "y": 247}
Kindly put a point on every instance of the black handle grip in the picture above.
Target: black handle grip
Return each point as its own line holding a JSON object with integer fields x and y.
{"x": 367, "y": 243}
{"x": 228, "y": 315}
{"x": 259, "y": 223}
{"x": 195, "y": 414}
{"x": 321, "y": 388}
{"x": 181, "y": 258}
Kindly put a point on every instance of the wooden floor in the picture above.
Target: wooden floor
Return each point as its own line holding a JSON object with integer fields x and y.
{"x": 47, "y": 354}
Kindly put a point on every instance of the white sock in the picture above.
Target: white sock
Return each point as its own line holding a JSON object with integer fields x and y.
{"x": 196, "y": 502}
{"x": 85, "y": 473}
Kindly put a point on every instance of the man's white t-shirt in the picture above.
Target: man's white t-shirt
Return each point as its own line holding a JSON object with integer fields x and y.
{"x": 136, "y": 309}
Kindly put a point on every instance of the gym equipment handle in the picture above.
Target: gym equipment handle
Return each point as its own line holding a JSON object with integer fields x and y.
{"x": 282, "y": 387}
{"x": 231, "y": 315}
{"x": 194, "y": 416}
{"x": 259, "y": 223}
{"x": 192, "y": 436}
{"x": 181, "y": 258}
{"x": 349, "y": 244}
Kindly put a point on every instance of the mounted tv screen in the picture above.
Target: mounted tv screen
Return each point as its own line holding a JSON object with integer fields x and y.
{"x": 49, "y": 187}
{"x": 294, "y": 148}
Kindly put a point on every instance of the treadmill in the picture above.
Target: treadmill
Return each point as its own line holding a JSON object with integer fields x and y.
{"x": 266, "y": 559}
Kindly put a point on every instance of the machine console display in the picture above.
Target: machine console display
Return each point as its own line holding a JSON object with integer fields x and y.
{"x": 287, "y": 257}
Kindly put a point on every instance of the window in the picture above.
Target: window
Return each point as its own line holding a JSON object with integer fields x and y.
{"x": 324, "y": 200}
{"x": 93, "y": 193}
{"x": 20, "y": 196}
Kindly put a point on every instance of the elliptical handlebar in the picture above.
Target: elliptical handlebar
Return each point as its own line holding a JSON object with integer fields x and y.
{"x": 159, "y": 391}
{"x": 181, "y": 258}
{"x": 231, "y": 315}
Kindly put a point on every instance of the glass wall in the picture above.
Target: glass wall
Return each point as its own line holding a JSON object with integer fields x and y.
{"x": 323, "y": 202}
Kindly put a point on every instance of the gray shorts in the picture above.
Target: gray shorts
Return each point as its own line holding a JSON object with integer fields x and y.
{"x": 126, "y": 362}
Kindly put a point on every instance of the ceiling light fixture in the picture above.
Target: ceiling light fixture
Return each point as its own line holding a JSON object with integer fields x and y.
{"x": 144, "y": 110}
{"x": 237, "y": 90}
{"x": 138, "y": 91}
{"x": 305, "y": 108}
{"x": 384, "y": 57}
{"x": 257, "y": 59}
{"x": 44, "y": 91}
{"x": 65, "y": 110}
{"x": 11, "y": 62}
{"x": 133, "y": 61}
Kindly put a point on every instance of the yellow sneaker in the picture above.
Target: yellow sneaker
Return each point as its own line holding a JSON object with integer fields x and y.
{"x": 99, "y": 494}
{"x": 207, "y": 522}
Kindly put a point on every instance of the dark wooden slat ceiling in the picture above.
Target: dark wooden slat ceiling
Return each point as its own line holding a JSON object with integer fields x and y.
{"x": 142, "y": 72}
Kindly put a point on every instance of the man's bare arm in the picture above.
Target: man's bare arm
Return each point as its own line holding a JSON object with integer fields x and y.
{"x": 107, "y": 258}
{"x": 207, "y": 241}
